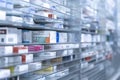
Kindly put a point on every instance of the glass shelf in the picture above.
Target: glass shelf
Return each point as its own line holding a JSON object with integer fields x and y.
{"x": 29, "y": 71}
{"x": 38, "y": 44}
{"x": 33, "y": 27}
{"x": 35, "y": 60}
{"x": 46, "y": 75}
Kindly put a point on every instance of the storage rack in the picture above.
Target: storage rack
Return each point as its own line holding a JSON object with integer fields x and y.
{"x": 70, "y": 63}
{"x": 88, "y": 57}
{"x": 93, "y": 51}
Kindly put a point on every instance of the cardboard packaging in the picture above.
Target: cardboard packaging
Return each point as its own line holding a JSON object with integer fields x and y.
{"x": 27, "y": 36}
{"x": 21, "y": 68}
{"x": 38, "y": 2}
{"x": 46, "y": 70}
{"x": 2, "y": 3}
{"x": 15, "y": 19}
{"x": 6, "y": 50}
{"x": 2, "y": 14}
{"x": 36, "y": 65}
{"x": 11, "y": 68}
{"x": 7, "y": 60}
{"x": 20, "y": 49}
{"x": 35, "y": 48}
{"x": 48, "y": 54}
{"x": 9, "y": 4}
{"x": 4, "y": 73}
{"x": 27, "y": 58}
{"x": 63, "y": 37}
{"x": 44, "y": 37}
{"x": 19, "y": 36}
{"x": 8, "y": 35}
{"x": 56, "y": 60}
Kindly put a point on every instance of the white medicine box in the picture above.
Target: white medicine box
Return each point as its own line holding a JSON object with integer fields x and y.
{"x": 2, "y": 15}
{"x": 8, "y": 35}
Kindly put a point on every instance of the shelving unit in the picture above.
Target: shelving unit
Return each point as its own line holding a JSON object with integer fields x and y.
{"x": 52, "y": 40}
{"x": 93, "y": 42}
{"x": 57, "y": 58}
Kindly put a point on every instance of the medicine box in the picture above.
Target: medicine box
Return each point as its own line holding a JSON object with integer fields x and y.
{"x": 7, "y": 60}
{"x": 46, "y": 70}
{"x": 2, "y": 3}
{"x": 36, "y": 65}
{"x": 48, "y": 54}
{"x": 2, "y": 15}
{"x": 27, "y": 58}
{"x": 9, "y": 4}
{"x": 19, "y": 36}
{"x": 8, "y": 35}
{"x": 26, "y": 36}
{"x": 20, "y": 49}
{"x": 44, "y": 37}
{"x": 4, "y": 73}
{"x": 6, "y": 50}
{"x": 32, "y": 48}
{"x": 15, "y": 19}
{"x": 21, "y": 68}
{"x": 62, "y": 37}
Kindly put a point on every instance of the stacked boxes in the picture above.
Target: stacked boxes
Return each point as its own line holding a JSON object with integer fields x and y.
{"x": 7, "y": 60}
{"x": 10, "y": 35}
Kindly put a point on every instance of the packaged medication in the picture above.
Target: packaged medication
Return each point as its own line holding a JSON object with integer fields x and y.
{"x": 4, "y": 50}
{"x": 26, "y": 36}
{"x": 15, "y": 19}
{"x": 44, "y": 37}
{"x": 7, "y": 60}
{"x": 8, "y": 35}
{"x": 20, "y": 49}
{"x": 21, "y": 68}
{"x": 9, "y": 4}
{"x": 48, "y": 54}
{"x": 19, "y": 36}
{"x": 36, "y": 65}
{"x": 4, "y": 73}
{"x": 32, "y": 48}
{"x": 2, "y": 15}
{"x": 62, "y": 37}
{"x": 2, "y": 3}
{"x": 27, "y": 58}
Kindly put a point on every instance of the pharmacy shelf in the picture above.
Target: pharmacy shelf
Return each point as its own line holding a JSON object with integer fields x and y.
{"x": 48, "y": 74}
{"x": 65, "y": 6}
{"x": 40, "y": 7}
{"x": 33, "y": 27}
{"x": 89, "y": 69}
{"x": 14, "y": 54}
{"x": 68, "y": 76}
{"x": 29, "y": 71}
{"x": 38, "y": 44}
{"x": 35, "y": 60}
